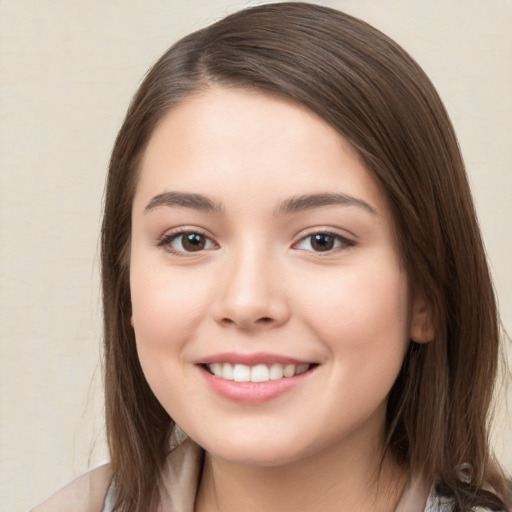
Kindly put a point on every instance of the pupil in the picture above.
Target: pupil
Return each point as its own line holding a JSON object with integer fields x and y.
{"x": 193, "y": 242}
{"x": 322, "y": 242}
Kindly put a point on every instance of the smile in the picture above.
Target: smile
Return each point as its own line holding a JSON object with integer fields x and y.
{"x": 256, "y": 373}
{"x": 254, "y": 378}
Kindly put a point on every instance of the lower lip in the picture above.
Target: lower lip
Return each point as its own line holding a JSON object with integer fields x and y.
{"x": 253, "y": 392}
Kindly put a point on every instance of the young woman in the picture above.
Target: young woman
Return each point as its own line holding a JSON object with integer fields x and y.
{"x": 293, "y": 274}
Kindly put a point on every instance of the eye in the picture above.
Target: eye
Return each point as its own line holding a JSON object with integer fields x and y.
{"x": 323, "y": 242}
{"x": 187, "y": 242}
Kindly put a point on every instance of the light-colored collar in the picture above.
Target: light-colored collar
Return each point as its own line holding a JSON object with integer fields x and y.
{"x": 414, "y": 497}
{"x": 94, "y": 491}
{"x": 182, "y": 474}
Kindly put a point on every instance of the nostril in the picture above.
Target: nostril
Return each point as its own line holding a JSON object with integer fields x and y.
{"x": 247, "y": 323}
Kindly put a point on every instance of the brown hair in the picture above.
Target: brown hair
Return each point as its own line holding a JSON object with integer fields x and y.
{"x": 375, "y": 95}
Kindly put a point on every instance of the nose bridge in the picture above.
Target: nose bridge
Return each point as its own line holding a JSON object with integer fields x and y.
{"x": 251, "y": 295}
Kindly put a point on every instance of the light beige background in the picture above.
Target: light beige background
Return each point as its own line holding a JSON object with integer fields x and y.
{"x": 68, "y": 70}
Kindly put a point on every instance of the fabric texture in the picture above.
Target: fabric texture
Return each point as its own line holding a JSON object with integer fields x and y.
{"x": 95, "y": 491}
{"x": 436, "y": 503}
{"x": 85, "y": 494}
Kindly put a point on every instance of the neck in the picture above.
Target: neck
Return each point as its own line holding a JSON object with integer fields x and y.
{"x": 335, "y": 479}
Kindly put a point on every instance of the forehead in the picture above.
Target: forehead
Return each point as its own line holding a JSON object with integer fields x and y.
{"x": 226, "y": 139}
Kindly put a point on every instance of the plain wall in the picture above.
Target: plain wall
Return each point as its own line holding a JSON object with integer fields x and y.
{"x": 68, "y": 70}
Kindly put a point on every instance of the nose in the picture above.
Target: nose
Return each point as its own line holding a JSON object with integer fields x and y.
{"x": 251, "y": 296}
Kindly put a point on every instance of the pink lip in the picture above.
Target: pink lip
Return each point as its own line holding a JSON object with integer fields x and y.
{"x": 253, "y": 392}
{"x": 251, "y": 359}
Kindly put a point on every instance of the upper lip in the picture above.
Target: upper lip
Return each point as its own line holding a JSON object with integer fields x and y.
{"x": 251, "y": 359}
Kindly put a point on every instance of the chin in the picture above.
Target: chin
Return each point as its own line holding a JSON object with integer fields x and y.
{"x": 258, "y": 451}
{"x": 256, "y": 457}
{"x": 269, "y": 451}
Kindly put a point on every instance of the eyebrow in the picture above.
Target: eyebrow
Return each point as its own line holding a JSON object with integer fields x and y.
{"x": 290, "y": 205}
{"x": 311, "y": 201}
{"x": 185, "y": 199}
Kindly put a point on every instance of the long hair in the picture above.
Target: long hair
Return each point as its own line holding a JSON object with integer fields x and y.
{"x": 376, "y": 96}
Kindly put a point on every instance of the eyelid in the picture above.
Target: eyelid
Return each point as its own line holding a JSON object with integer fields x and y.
{"x": 346, "y": 242}
{"x": 165, "y": 240}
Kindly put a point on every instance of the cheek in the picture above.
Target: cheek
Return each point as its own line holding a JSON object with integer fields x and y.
{"x": 362, "y": 316}
{"x": 165, "y": 317}
{"x": 362, "y": 320}
{"x": 165, "y": 307}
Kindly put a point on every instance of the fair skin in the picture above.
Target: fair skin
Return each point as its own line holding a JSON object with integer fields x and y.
{"x": 234, "y": 269}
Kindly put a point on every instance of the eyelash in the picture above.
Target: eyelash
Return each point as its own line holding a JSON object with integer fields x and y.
{"x": 344, "y": 242}
{"x": 166, "y": 241}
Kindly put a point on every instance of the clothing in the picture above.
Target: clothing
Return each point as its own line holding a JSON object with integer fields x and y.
{"x": 85, "y": 494}
{"x": 436, "y": 503}
{"x": 95, "y": 492}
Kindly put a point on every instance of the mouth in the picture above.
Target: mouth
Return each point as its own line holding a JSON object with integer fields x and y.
{"x": 257, "y": 373}
{"x": 254, "y": 378}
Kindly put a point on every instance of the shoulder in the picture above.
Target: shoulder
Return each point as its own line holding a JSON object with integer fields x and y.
{"x": 95, "y": 491}
{"x": 85, "y": 494}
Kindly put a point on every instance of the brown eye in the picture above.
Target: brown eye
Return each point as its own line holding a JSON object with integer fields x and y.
{"x": 193, "y": 242}
{"x": 188, "y": 242}
{"x": 323, "y": 242}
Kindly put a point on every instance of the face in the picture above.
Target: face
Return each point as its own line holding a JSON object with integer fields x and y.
{"x": 270, "y": 310}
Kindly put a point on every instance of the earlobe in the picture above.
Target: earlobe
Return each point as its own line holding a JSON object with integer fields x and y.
{"x": 422, "y": 325}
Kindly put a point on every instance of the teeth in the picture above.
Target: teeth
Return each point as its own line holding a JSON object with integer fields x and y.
{"x": 242, "y": 373}
{"x": 227, "y": 371}
{"x": 258, "y": 373}
{"x": 289, "y": 370}
{"x": 301, "y": 368}
{"x": 216, "y": 369}
{"x": 276, "y": 372}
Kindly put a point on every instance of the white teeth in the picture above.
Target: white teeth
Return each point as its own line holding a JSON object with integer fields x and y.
{"x": 260, "y": 373}
{"x": 216, "y": 369}
{"x": 241, "y": 373}
{"x": 257, "y": 373}
{"x": 227, "y": 371}
{"x": 289, "y": 370}
{"x": 276, "y": 372}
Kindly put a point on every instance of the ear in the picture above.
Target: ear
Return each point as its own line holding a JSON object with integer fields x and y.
{"x": 421, "y": 328}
